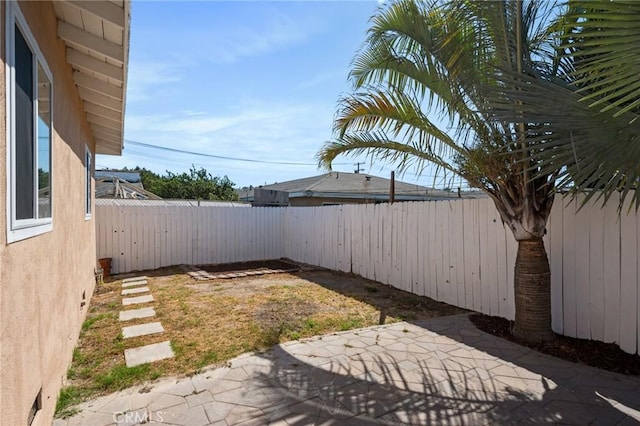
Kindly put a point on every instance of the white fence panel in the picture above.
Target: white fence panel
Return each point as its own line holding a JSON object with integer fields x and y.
{"x": 149, "y": 237}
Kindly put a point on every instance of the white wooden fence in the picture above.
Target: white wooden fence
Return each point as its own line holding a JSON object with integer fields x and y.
{"x": 149, "y": 237}
{"x": 453, "y": 251}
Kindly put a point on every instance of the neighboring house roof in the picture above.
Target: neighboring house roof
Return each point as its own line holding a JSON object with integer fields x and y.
{"x": 131, "y": 177}
{"x": 97, "y": 37}
{"x": 185, "y": 203}
{"x": 352, "y": 185}
{"x": 117, "y": 184}
{"x": 114, "y": 187}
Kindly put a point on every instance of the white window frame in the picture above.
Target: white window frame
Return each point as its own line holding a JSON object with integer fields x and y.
{"x": 20, "y": 229}
{"x": 88, "y": 187}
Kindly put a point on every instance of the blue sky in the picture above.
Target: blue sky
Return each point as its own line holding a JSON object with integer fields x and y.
{"x": 257, "y": 80}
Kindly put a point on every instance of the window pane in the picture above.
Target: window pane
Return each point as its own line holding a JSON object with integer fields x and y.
{"x": 44, "y": 145}
{"x": 24, "y": 149}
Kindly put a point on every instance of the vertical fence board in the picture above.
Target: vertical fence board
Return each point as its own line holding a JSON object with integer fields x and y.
{"x": 410, "y": 250}
{"x": 569, "y": 269}
{"x": 421, "y": 248}
{"x": 142, "y": 241}
{"x": 583, "y": 292}
{"x": 554, "y": 250}
{"x": 512, "y": 253}
{"x": 505, "y": 288}
{"x": 392, "y": 249}
{"x": 493, "y": 238}
{"x": 370, "y": 243}
{"x": 381, "y": 271}
{"x": 356, "y": 239}
{"x": 457, "y": 260}
{"x": 430, "y": 261}
{"x": 595, "y": 314}
{"x": 404, "y": 271}
{"x": 172, "y": 237}
{"x": 447, "y": 280}
{"x": 484, "y": 255}
{"x": 471, "y": 255}
{"x": 438, "y": 224}
{"x": 628, "y": 279}
{"x": 122, "y": 246}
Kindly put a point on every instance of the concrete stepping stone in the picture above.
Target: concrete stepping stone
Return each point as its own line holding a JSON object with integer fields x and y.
{"x": 148, "y": 353}
{"x": 137, "y": 313}
{"x": 142, "y": 330}
{"x": 136, "y": 300}
{"x": 128, "y": 280}
{"x": 134, "y": 283}
{"x": 134, "y": 290}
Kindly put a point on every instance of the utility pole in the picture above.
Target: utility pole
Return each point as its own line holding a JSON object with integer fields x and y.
{"x": 392, "y": 187}
{"x": 358, "y": 169}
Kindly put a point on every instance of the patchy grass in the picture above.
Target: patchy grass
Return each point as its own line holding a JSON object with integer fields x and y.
{"x": 210, "y": 322}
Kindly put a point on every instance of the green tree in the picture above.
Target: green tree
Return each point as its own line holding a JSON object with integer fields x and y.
{"x": 198, "y": 184}
{"x": 430, "y": 62}
{"x": 43, "y": 179}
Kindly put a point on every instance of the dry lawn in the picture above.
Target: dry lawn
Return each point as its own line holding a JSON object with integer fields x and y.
{"x": 210, "y": 322}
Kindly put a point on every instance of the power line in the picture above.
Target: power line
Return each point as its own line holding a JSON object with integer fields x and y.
{"x": 220, "y": 157}
{"x": 440, "y": 178}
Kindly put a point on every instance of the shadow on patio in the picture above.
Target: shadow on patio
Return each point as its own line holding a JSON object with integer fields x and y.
{"x": 441, "y": 371}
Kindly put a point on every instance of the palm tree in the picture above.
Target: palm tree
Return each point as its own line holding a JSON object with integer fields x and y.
{"x": 463, "y": 63}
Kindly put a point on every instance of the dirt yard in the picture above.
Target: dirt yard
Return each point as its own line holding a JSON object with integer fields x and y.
{"x": 211, "y": 321}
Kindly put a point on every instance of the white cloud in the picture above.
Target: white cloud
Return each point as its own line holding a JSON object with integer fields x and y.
{"x": 322, "y": 78}
{"x": 240, "y": 41}
{"x": 266, "y": 132}
{"x": 224, "y": 42}
{"x": 144, "y": 78}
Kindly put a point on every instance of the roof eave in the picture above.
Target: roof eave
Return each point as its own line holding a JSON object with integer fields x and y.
{"x": 99, "y": 60}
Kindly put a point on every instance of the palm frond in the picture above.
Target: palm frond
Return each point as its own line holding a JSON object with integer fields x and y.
{"x": 377, "y": 146}
{"x": 603, "y": 36}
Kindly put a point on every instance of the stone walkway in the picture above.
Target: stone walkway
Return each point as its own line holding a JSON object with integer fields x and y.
{"x": 437, "y": 372}
{"x": 202, "y": 275}
{"x": 134, "y": 289}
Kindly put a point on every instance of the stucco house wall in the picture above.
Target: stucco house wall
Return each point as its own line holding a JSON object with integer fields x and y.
{"x": 43, "y": 278}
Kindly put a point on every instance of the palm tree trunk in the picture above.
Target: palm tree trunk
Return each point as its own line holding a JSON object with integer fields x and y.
{"x": 532, "y": 282}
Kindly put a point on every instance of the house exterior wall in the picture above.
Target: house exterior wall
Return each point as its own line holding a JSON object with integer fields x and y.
{"x": 43, "y": 278}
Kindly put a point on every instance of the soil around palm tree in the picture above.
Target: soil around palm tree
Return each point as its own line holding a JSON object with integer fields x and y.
{"x": 607, "y": 356}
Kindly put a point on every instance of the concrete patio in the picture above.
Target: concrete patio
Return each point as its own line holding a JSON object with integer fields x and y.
{"x": 440, "y": 371}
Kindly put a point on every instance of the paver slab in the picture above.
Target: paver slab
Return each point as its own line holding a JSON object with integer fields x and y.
{"x": 137, "y": 313}
{"x": 148, "y": 353}
{"x": 136, "y": 300}
{"x": 128, "y": 280}
{"x": 134, "y": 283}
{"x": 137, "y": 290}
{"x": 142, "y": 330}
